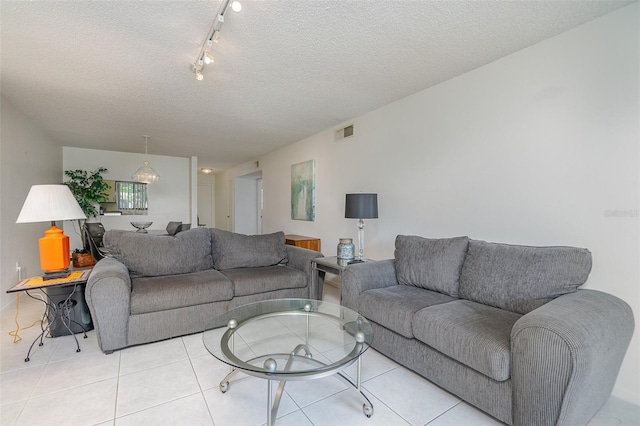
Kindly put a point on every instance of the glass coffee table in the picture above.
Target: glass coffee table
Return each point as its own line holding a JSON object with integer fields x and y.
{"x": 291, "y": 339}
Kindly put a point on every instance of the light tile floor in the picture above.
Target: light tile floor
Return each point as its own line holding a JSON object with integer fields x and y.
{"x": 175, "y": 382}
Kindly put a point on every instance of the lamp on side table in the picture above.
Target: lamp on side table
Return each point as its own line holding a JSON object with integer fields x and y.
{"x": 361, "y": 206}
{"x": 46, "y": 203}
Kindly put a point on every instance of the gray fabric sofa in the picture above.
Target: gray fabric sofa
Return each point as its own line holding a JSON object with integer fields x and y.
{"x": 503, "y": 327}
{"x": 159, "y": 286}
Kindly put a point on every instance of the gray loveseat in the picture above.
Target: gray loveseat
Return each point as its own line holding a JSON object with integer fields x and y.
{"x": 158, "y": 286}
{"x": 503, "y": 327}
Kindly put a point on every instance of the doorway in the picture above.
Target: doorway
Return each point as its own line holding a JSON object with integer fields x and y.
{"x": 206, "y": 205}
{"x": 248, "y": 202}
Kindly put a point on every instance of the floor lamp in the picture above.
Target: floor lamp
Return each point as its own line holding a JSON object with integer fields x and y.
{"x": 361, "y": 206}
{"x": 46, "y": 203}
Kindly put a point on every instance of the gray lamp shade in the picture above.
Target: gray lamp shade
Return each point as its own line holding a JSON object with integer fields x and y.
{"x": 361, "y": 206}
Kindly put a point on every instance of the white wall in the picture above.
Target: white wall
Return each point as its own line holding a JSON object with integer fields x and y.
{"x": 27, "y": 157}
{"x": 540, "y": 148}
{"x": 169, "y": 198}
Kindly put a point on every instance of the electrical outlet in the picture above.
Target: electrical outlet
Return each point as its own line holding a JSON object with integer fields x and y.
{"x": 19, "y": 270}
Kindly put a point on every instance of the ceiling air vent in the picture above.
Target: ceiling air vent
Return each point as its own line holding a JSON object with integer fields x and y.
{"x": 344, "y": 133}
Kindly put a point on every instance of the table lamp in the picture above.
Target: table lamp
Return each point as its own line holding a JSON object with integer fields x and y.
{"x": 46, "y": 203}
{"x": 361, "y": 206}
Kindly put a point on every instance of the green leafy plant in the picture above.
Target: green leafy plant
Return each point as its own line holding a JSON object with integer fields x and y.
{"x": 88, "y": 188}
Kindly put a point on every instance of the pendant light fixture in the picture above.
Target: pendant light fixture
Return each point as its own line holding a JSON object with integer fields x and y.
{"x": 145, "y": 174}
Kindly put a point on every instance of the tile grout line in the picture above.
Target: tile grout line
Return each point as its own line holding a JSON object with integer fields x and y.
{"x": 443, "y": 413}
{"x": 371, "y": 394}
{"x": 32, "y": 390}
{"x": 115, "y": 405}
{"x": 188, "y": 358}
{"x": 204, "y": 399}
{"x": 142, "y": 410}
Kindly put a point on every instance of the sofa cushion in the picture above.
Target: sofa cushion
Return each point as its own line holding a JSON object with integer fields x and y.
{"x": 231, "y": 250}
{"x": 248, "y": 281}
{"x": 476, "y": 335}
{"x": 433, "y": 264}
{"x": 152, "y": 294}
{"x": 155, "y": 255}
{"x": 521, "y": 278}
{"x": 393, "y": 307}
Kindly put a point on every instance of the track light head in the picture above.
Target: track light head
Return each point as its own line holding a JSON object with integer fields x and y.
{"x": 205, "y": 57}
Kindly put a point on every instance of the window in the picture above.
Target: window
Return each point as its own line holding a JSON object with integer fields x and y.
{"x": 131, "y": 197}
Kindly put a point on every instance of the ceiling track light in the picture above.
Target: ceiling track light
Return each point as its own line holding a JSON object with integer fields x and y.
{"x": 205, "y": 57}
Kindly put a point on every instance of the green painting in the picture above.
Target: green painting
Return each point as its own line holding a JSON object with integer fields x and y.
{"x": 303, "y": 188}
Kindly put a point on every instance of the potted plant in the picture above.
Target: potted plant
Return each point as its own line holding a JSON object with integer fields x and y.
{"x": 89, "y": 189}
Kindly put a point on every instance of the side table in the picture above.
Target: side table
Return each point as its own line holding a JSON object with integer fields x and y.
{"x": 330, "y": 264}
{"x": 58, "y": 310}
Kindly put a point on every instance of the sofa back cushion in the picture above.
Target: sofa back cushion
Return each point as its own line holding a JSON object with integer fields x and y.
{"x": 149, "y": 255}
{"x": 232, "y": 250}
{"x": 521, "y": 278}
{"x": 433, "y": 264}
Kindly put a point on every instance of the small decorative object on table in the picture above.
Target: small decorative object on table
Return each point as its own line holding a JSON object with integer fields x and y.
{"x": 82, "y": 259}
{"x": 141, "y": 226}
{"x": 346, "y": 249}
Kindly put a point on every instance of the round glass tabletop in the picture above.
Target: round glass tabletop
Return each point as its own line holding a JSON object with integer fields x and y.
{"x": 289, "y": 338}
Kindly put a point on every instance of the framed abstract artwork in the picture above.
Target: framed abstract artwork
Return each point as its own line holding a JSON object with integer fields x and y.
{"x": 303, "y": 191}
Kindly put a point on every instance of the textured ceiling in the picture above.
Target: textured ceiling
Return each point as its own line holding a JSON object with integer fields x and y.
{"x": 100, "y": 74}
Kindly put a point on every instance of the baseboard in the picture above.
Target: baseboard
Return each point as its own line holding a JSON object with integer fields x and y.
{"x": 626, "y": 396}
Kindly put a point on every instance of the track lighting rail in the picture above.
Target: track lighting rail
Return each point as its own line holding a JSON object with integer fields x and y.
{"x": 205, "y": 57}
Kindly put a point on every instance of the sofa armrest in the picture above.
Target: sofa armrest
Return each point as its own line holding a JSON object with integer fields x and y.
{"x": 566, "y": 356}
{"x": 108, "y": 295}
{"x": 361, "y": 277}
{"x": 300, "y": 258}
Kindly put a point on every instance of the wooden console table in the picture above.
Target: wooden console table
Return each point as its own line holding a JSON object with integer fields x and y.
{"x": 302, "y": 241}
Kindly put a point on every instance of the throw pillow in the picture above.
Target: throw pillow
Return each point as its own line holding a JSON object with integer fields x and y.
{"x": 521, "y": 278}
{"x": 433, "y": 264}
{"x": 150, "y": 255}
{"x": 232, "y": 250}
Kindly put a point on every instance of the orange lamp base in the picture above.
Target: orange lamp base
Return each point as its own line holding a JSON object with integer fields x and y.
{"x": 54, "y": 250}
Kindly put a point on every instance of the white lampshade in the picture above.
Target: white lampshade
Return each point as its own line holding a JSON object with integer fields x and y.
{"x": 48, "y": 203}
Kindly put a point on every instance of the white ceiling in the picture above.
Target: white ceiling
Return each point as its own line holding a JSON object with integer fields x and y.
{"x": 100, "y": 74}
